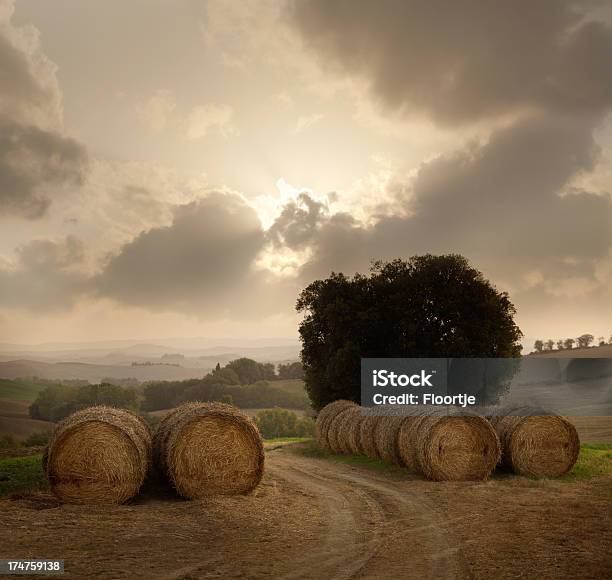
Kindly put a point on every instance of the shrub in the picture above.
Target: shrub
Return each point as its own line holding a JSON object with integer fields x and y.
{"x": 37, "y": 439}
{"x": 274, "y": 423}
{"x": 7, "y": 442}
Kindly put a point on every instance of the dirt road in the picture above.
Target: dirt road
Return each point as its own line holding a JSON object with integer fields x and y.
{"x": 318, "y": 518}
{"x": 374, "y": 530}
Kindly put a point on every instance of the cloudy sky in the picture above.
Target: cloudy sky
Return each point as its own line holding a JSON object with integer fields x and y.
{"x": 183, "y": 168}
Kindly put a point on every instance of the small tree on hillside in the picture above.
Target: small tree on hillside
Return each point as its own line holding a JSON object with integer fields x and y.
{"x": 569, "y": 343}
{"x": 559, "y": 344}
{"x": 538, "y": 345}
{"x": 550, "y": 344}
{"x": 585, "y": 340}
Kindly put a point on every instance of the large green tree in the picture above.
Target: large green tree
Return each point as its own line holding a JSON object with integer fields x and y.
{"x": 426, "y": 306}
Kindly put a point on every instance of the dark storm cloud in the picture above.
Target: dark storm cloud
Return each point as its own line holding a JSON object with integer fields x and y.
{"x": 31, "y": 162}
{"x": 507, "y": 203}
{"x": 497, "y": 203}
{"x": 35, "y": 157}
{"x": 503, "y": 198}
{"x": 45, "y": 276}
{"x": 464, "y": 61}
{"x": 199, "y": 262}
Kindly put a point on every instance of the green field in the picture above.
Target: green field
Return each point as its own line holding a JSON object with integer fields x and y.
{"x": 25, "y": 474}
{"x": 20, "y": 389}
{"x": 21, "y": 474}
{"x": 595, "y": 460}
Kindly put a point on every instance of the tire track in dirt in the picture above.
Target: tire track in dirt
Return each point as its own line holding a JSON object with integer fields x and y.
{"x": 375, "y": 528}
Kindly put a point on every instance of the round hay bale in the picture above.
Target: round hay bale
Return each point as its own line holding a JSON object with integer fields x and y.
{"x": 537, "y": 445}
{"x": 324, "y": 418}
{"x": 407, "y": 442}
{"x": 449, "y": 448}
{"x": 348, "y": 431}
{"x": 366, "y": 436}
{"x": 209, "y": 449}
{"x": 386, "y": 433}
{"x": 335, "y": 431}
{"x": 98, "y": 455}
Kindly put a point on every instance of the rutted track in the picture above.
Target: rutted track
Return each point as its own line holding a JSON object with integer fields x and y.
{"x": 374, "y": 529}
{"x": 321, "y": 518}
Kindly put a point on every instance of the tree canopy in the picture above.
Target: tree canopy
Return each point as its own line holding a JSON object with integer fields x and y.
{"x": 426, "y": 306}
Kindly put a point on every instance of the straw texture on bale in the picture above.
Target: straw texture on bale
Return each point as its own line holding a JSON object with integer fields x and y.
{"x": 325, "y": 418}
{"x": 386, "y": 433}
{"x": 207, "y": 449}
{"x": 536, "y": 443}
{"x": 449, "y": 448}
{"x": 98, "y": 455}
{"x": 336, "y": 432}
{"x": 348, "y": 431}
{"x": 367, "y": 443}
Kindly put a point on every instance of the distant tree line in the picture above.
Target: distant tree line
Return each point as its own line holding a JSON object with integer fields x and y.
{"x": 59, "y": 400}
{"x": 583, "y": 341}
{"x": 243, "y": 382}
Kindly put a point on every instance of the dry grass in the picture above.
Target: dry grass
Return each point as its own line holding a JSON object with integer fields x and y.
{"x": 537, "y": 444}
{"x": 99, "y": 455}
{"x": 207, "y": 449}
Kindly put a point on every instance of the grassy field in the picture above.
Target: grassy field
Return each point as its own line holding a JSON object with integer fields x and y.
{"x": 21, "y": 475}
{"x": 25, "y": 474}
{"x": 595, "y": 460}
{"x": 20, "y": 389}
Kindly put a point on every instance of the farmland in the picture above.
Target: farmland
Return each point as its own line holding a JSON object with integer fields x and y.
{"x": 316, "y": 516}
{"x": 17, "y": 395}
{"x": 15, "y": 420}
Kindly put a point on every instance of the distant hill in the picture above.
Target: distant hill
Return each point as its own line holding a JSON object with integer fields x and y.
{"x": 95, "y": 373}
{"x": 591, "y": 352}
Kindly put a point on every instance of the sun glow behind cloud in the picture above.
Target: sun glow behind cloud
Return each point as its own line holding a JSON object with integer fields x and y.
{"x": 342, "y": 163}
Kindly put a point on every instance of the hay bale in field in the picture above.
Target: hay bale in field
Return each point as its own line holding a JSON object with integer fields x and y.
{"x": 348, "y": 431}
{"x": 386, "y": 433}
{"x": 367, "y": 443}
{"x": 449, "y": 448}
{"x": 209, "y": 449}
{"x": 325, "y": 417}
{"x": 536, "y": 443}
{"x": 336, "y": 435}
{"x": 98, "y": 455}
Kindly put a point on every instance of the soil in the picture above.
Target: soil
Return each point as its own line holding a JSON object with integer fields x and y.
{"x": 15, "y": 420}
{"x": 318, "y": 518}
